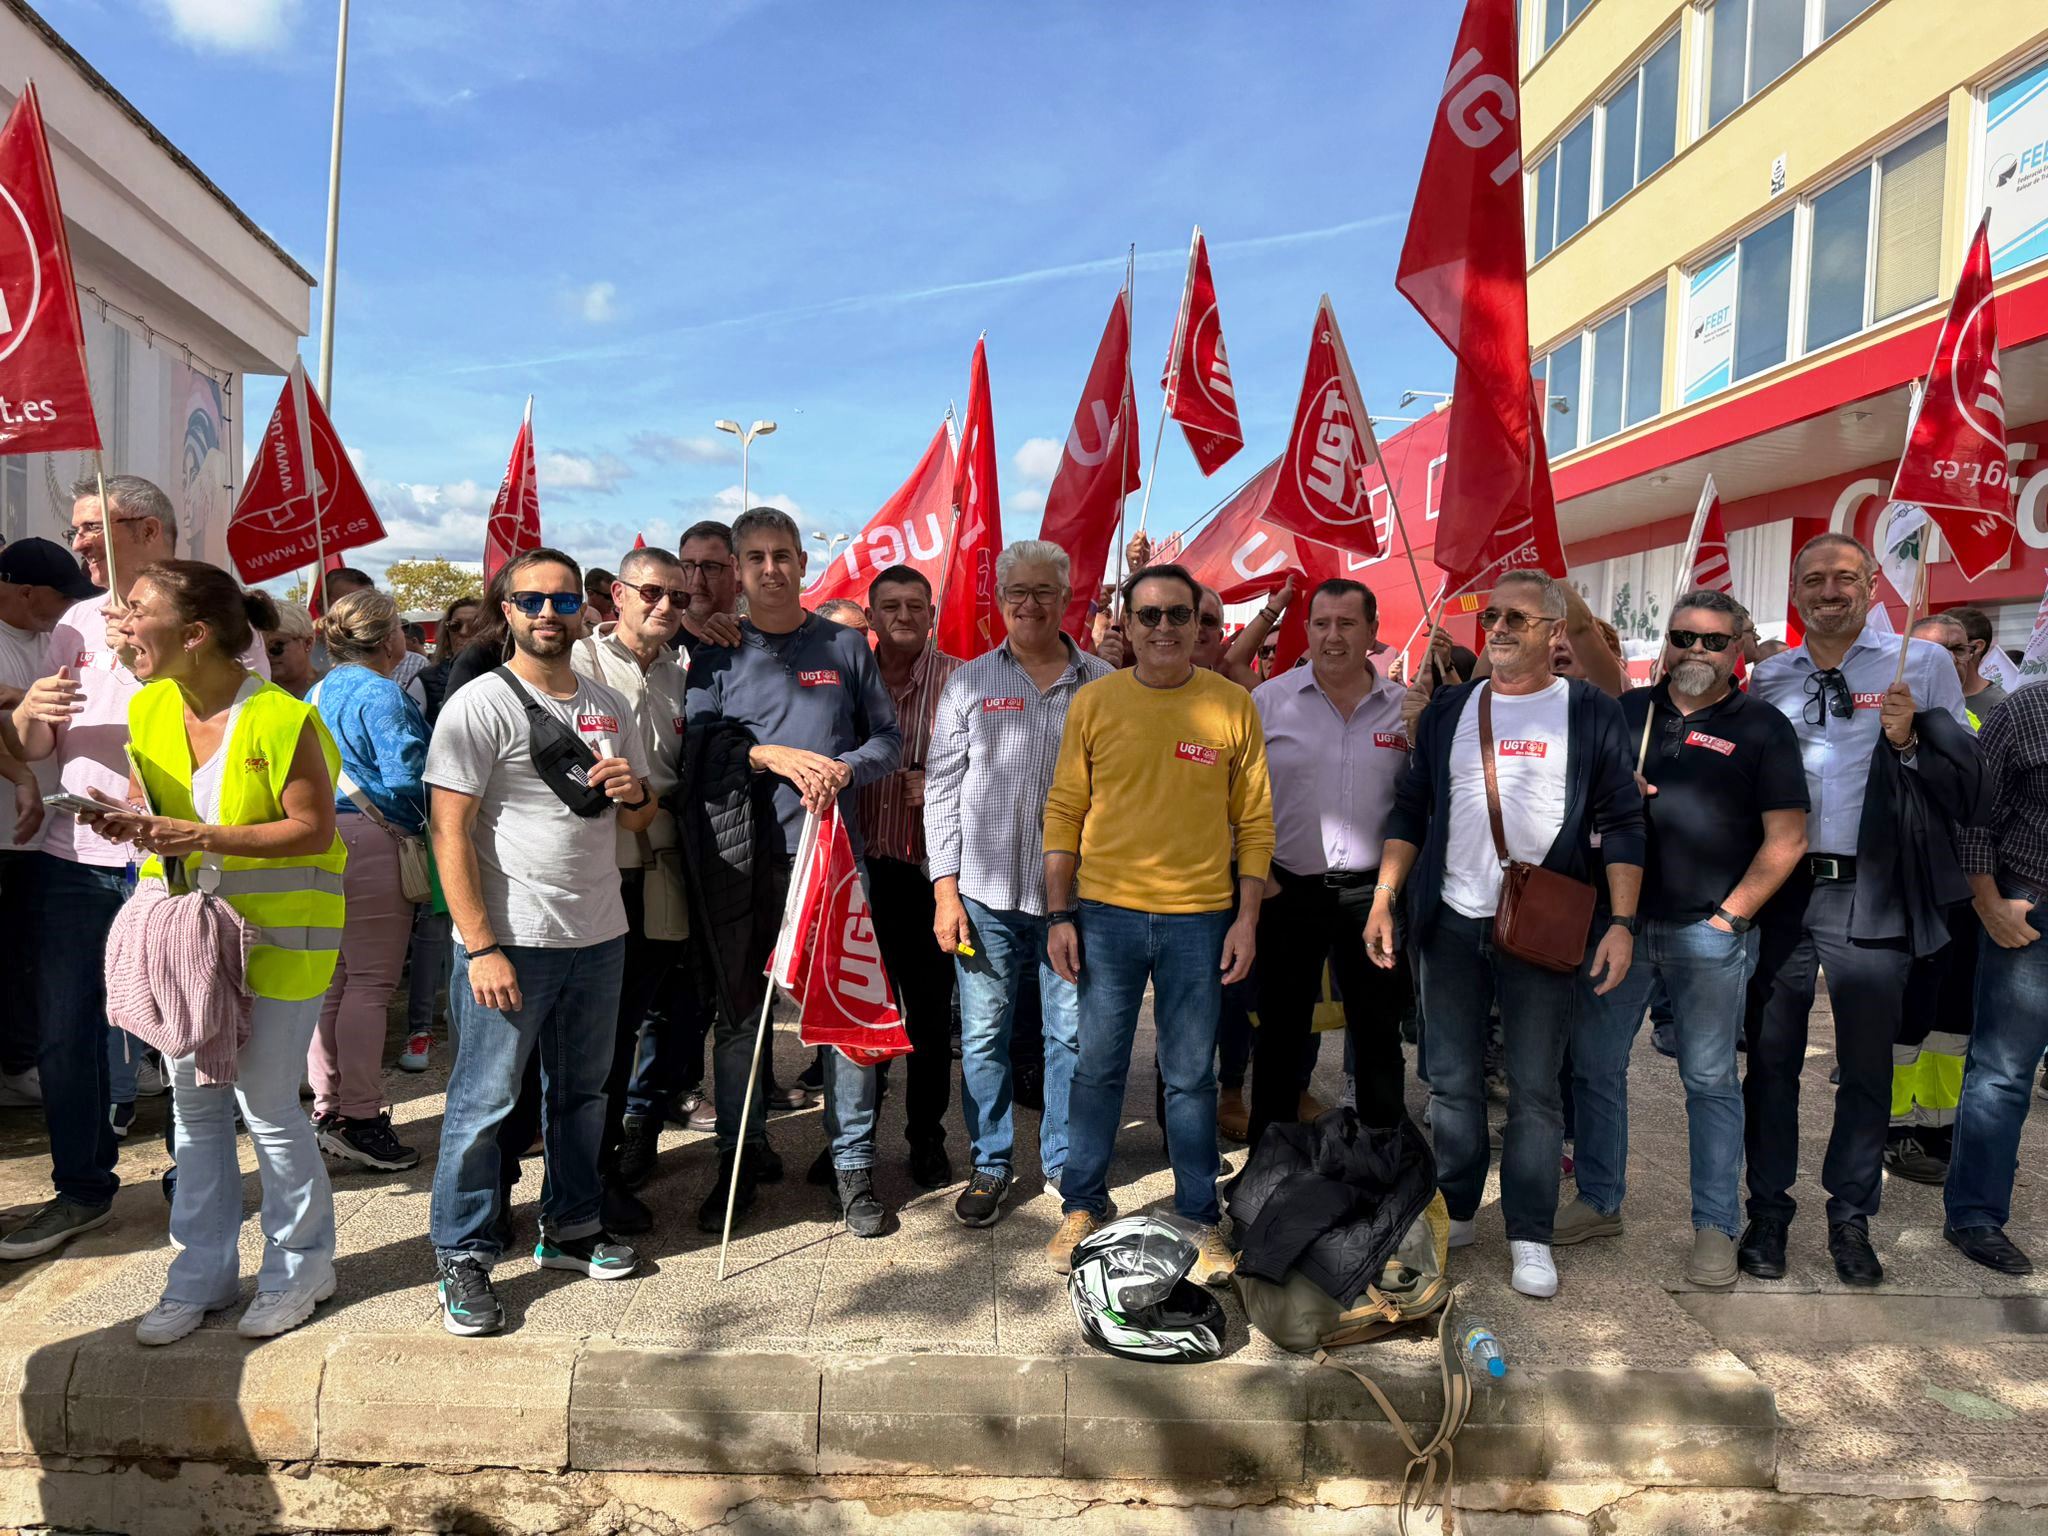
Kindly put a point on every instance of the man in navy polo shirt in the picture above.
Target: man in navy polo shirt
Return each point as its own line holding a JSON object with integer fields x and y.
{"x": 1725, "y": 795}
{"x": 810, "y": 692}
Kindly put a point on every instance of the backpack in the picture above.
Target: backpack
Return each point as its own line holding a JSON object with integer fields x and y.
{"x": 1413, "y": 1286}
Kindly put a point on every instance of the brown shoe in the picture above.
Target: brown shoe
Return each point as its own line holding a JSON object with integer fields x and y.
{"x": 1214, "y": 1262}
{"x": 1233, "y": 1116}
{"x": 1310, "y": 1109}
{"x": 1074, "y": 1226}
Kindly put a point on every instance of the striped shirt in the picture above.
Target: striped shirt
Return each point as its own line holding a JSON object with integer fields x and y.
{"x": 2012, "y": 841}
{"x": 890, "y": 826}
{"x": 994, "y": 743}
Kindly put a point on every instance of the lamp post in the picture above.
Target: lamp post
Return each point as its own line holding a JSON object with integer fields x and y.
{"x": 758, "y": 429}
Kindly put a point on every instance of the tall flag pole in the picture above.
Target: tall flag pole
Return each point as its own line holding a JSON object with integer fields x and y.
{"x": 1098, "y": 468}
{"x": 967, "y": 607}
{"x": 331, "y": 260}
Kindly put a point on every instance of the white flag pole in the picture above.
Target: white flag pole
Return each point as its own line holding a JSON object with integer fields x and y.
{"x": 1681, "y": 583}
{"x": 1919, "y": 593}
{"x": 297, "y": 385}
{"x": 1130, "y": 302}
{"x": 1172, "y": 390}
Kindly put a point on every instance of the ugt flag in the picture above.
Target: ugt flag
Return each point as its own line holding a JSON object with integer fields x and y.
{"x": 514, "y": 527}
{"x": 1098, "y": 468}
{"x": 910, "y": 529}
{"x": 827, "y": 959}
{"x": 1710, "y": 569}
{"x": 967, "y": 624}
{"x": 1321, "y": 490}
{"x": 303, "y": 498}
{"x": 45, "y": 398}
{"x": 1955, "y": 461}
{"x": 1199, "y": 394}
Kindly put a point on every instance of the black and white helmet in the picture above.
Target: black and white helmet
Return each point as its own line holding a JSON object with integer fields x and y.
{"x": 1131, "y": 1293}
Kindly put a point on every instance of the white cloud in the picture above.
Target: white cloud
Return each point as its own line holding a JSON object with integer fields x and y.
{"x": 665, "y": 448}
{"x": 599, "y": 303}
{"x": 571, "y": 471}
{"x": 232, "y": 26}
{"x": 1038, "y": 458}
{"x": 1029, "y": 501}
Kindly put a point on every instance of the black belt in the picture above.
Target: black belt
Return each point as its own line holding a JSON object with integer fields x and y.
{"x": 1831, "y": 866}
{"x": 1349, "y": 879}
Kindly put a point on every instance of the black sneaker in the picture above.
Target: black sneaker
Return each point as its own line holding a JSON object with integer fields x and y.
{"x": 930, "y": 1168}
{"x": 596, "y": 1256}
{"x": 765, "y": 1162}
{"x": 981, "y": 1202}
{"x": 638, "y": 1150}
{"x": 855, "y": 1189}
{"x": 468, "y": 1304}
{"x": 812, "y": 1078}
{"x": 1906, "y": 1158}
{"x": 623, "y": 1211}
{"x": 711, "y": 1214}
{"x": 368, "y": 1142}
{"x": 122, "y": 1117}
{"x": 685, "y": 1104}
{"x": 53, "y": 1224}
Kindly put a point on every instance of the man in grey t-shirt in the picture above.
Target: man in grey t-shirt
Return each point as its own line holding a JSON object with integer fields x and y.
{"x": 533, "y": 890}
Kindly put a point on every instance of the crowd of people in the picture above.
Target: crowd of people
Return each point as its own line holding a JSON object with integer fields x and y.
{"x": 579, "y": 812}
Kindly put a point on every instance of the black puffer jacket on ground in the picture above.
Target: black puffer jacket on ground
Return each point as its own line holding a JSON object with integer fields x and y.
{"x": 1332, "y": 1200}
{"x": 730, "y": 839}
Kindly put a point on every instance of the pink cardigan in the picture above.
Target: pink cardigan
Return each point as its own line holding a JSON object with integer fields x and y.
{"x": 175, "y": 968}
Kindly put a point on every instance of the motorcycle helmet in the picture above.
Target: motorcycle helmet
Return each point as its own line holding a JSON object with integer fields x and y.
{"x": 1131, "y": 1293}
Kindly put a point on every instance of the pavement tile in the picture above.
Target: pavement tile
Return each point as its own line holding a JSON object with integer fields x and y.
{"x": 210, "y": 1396}
{"x": 35, "y": 1375}
{"x": 874, "y": 1297}
{"x": 946, "y": 1415}
{"x": 652, "y": 1410}
{"x": 686, "y": 1305}
{"x": 433, "y": 1398}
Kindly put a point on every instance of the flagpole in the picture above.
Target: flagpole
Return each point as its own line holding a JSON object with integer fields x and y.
{"x": 931, "y": 639}
{"x": 99, "y": 474}
{"x": 1357, "y": 402}
{"x": 1129, "y": 399}
{"x": 739, "y": 1145}
{"x": 1169, "y": 393}
{"x": 1919, "y": 592}
{"x": 327, "y": 269}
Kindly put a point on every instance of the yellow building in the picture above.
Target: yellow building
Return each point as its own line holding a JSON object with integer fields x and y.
{"x": 1746, "y": 218}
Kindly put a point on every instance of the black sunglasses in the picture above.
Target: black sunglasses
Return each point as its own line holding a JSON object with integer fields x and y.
{"x": 1686, "y": 639}
{"x": 564, "y": 603}
{"x": 1827, "y": 693}
{"x": 1179, "y": 616}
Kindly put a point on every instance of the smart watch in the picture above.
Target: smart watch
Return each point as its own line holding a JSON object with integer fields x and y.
{"x": 1739, "y": 924}
{"x": 1626, "y": 923}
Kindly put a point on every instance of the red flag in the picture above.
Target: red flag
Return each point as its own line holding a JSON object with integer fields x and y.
{"x": 1098, "y": 467}
{"x": 1197, "y": 379}
{"x": 316, "y": 597}
{"x": 910, "y": 529}
{"x": 1464, "y": 269}
{"x": 1710, "y": 569}
{"x": 967, "y": 609}
{"x": 45, "y": 398}
{"x": 1955, "y": 461}
{"x": 826, "y": 956}
{"x": 639, "y": 541}
{"x": 1321, "y": 490}
{"x": 300, "y": 472}
{"x": 514, "y": 527}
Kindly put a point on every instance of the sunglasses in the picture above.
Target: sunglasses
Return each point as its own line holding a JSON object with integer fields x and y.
{"x": 1686, "y": 639}
{"x": 1513, "y": 620}
{"x": 1827, "y": 693}
{"x": 276, "y": 648}
{"x": 531, "y": 603}
{"x": 654, "y": 592}
{"x": 1179, "y": 616}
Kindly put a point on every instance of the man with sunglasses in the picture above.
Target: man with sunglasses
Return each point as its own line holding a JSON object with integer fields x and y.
{"x": 1726, "y": 805}
{"x": 1563, "y": 772}
{"x": 1847, "y": 907}
{"x": 1162, "y": 767}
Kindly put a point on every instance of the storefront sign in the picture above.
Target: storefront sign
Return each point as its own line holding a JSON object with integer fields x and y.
{"x": 2016, "y": 169}
{"x": 1710, "y": 328}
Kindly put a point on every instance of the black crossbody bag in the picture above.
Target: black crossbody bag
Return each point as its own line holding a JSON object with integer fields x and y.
{"x": 559, "y": 755}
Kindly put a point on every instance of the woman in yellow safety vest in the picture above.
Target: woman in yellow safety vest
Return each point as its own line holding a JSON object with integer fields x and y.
{"x": 233, "y": 793}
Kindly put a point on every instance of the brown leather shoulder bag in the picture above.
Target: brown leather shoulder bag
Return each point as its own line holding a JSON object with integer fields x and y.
{"x": 1543, "y": 917}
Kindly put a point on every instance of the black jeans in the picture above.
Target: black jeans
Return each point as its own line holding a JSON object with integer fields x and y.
{"x": 20, "y": 1038}
{"x": 1308, "y": 920}
{"x": 900, "y": 897}
{"x": 1806, "y": 927}
{"x": 649, "y": 965}
{"x": 76, "y": 904}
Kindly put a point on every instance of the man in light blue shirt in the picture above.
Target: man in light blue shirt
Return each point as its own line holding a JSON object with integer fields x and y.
{"x": 1838, "y": 689}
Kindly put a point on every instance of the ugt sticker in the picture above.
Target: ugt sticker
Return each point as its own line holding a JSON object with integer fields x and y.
{"x": 1522, "y": 747}
{"x": 1711, "y": 743}
{"x": 824, "y": 677}
{"x": 1868, "y": 700}
{"x": 598, "y": 725}
{"x": 1002, "y": 706}
{"x": 1394, "y": 741}
{"x": 1195, "y": 752}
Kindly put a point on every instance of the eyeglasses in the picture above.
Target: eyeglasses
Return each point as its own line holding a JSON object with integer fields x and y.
{"x": 1960, "y": 649}
{"x": 1179, "y": 616}
{"x": 276, "y": 648}
{"x": 80, "y": 532}
{"x": 706, "y": 570}
{"x": 1686, "y": 639}
{"x": 1827, "y": 693}
{"x": 1044, "y": 597}
{"x": 1212, "y": 621}
{"x": 531, "y": 603}
{"x": 654, "y": 592}
{"x": 1511, "y": 619}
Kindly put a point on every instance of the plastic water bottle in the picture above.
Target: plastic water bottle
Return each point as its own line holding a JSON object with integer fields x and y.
{"x": 1483, "y": 1352}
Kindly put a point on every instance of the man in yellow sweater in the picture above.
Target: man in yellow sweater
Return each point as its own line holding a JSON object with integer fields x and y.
{"x": 1162, "y": 772}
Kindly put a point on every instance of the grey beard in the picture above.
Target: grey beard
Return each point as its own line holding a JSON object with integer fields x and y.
{"x": 1693, "y": 676}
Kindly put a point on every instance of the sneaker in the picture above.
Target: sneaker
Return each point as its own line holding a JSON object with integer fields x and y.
{"x": 53, "y": 1224}
{"x": 1567, "y": 1166}
{"x": 812, "y": 1078}
{"x": 1576, "y": 1221}
{"x": 1535, "y": 1274}
{"x": 702, "y": 1116}
{"x": 1074, "y": 1226}
{"x": 1712, "y": 1264}
{"x": 275, "y": 1312}
{"x": 122, "y": 1118}
{"x": 1214, "y": 1262}
{"x": 21, "y": 1090}
{"x": 1908, "y": 1159}
{"x": 981, "y": 1202}
{"x": 862, "y": 1212}
{"x": 151, "y": 1081}
{"x": 638, "y": 1149}
{"x": 624, "y": 1212}
{"x": 369, "y": 1142}
{"x": 169, "y": 1321}
{"x": 419, "y": 1046}
{"x": 1664, "y": 1040}
{"x": 1463, "y": 1233}
{"x": 1027, "y": 1087}
{"x": 468, "y": 1304}
{"x": 1233, "y": 1117}
{"x": 595, "y": 1255}
{"x": 711, "y": 1214}
{"x": 792, "y": 1097}
{"x": 766, "y": 1161}
{"x": 930, "y": 1168}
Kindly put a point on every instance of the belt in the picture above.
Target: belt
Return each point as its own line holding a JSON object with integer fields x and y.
{"x": 1349, "y": 879}
{"x": 1831, "y": 866}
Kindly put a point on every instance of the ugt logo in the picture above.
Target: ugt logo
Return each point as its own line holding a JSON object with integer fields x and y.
{"x": 21, "y": 276}
{"x": 1330, "y": 482}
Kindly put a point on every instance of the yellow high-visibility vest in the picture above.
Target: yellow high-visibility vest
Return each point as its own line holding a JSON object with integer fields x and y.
{"x": 295, "y": 904}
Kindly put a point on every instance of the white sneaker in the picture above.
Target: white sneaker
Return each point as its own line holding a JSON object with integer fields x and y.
{"x": 1534, "y": 1273}
{"x": 275, "y": 1312}
{"x": 21, "y": 1090}
{"x": 169, "y": 1321}
{"x": 150, "y": 1079}
{"x": 1463, "y": 1233}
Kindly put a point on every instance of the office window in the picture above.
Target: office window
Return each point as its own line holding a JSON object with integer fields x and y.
{"x": 1645, "y": 357}
{"x": 1763, "y": 296}
{"x": 1609, "y": 341}
{"x": 1545, "y": 232}
{"x": 1837, "y": 14}
{"x": 1838, "y": 258}
{"x": 1909, "y": 206}
{"x": 1574, "y": 180}
{"x": 1639, "y": 124}
{"x": 1727, "y": 58}
{"x": 1559, "y": 14}
{"x": 1609, "y": 376}
{"x": 1659, "y": 140}
{"x": 1562, "y": 409}
{"x": 1618, "y": 161}
{"x": 1777, "y": 37}
{"x": 1750, "y": 43}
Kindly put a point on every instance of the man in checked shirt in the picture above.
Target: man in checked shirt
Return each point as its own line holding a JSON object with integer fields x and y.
{"x": 994, "y": 742}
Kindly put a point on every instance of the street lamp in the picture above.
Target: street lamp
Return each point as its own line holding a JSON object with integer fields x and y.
{"x": 1410, "y": 396}
{"x": 758, "y": 429}
{"x": 831, "y": 544}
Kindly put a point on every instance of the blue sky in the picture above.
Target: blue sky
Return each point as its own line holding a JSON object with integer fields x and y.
{"x": 653, "y": 215}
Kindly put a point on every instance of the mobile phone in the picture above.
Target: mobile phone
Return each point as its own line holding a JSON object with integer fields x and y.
{"x": 77, "y": 805}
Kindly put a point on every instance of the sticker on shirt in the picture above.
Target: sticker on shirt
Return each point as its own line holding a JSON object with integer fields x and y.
{"x": 598, "y": 725}
{"x": 1195, "y": 752}
{"x": 256, "y": 764}
{"x": 1712, "y": 743}
{"x": 1868, "y": 700}
{"x": 823, "y": 677}
{"x": 1393, "y": 741}
{"x": 1002, "y": 706}
{"x": 1521, "y": 746}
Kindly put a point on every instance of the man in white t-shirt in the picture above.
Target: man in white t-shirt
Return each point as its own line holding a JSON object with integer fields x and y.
{"x": 1564, "y": 770}
{"x": 534, "y": 771}
{"x": 75, "y": 716}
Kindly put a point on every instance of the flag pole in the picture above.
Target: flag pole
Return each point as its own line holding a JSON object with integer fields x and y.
{"x": 1919, "y": 592}
{"x": 328, "y": 266}
{"x": 1372, "y": 442}
{"x": 1129, "y": 398}
{"x": 1172, "y": 389}
{"x": 99, "y": 475}
{"x": 739, "y": 1145}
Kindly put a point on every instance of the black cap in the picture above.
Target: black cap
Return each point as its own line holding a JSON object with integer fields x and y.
{"x": 40, "y": 563}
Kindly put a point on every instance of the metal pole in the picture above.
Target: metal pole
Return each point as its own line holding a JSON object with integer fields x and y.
{"x": 333, "y": 219}
{"x": 739, "y": 1145}
{"x": 746, "y": 441}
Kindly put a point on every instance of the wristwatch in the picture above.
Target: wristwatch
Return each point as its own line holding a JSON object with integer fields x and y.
{"x": 1627, "y": 923}
{"x": 1054, "y": 919}
{"x": 1739, "y": 924}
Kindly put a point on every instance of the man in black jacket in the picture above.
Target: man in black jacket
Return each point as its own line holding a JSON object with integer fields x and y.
{"x": 1561, "y": 757}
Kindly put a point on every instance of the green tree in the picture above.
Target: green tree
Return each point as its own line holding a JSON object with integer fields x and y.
{"x": 431, "y": 583}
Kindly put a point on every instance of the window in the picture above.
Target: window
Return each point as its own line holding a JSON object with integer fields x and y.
{"x": 1910, "y": 196}
{"x": 1546, "y": 206}
{"x": 1557, "y": 15}
{"x": 1563, "y": 190}
{"x": 1639, "y": 124}
{"x": 1763, "y": 296}
{"x": 1837, "y": 14}
{"x": 1609, "y": 341}
{"x": 1645, "y": 357}
{"x": 1607, "y": 377}
{"x": 1751, "y": 43}
{"x": 1837, "y": 259}
{"x": 1561, "y": 420}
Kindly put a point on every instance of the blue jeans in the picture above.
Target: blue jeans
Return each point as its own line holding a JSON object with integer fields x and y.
{"x": 124, "y": 1060}
{"x": 2006, "y": 1043}
{"x": 851, "y": 1094}
{"x": 569, "y": 1010}
{"x": 1181, "y": 955}
{"x": 1462, "y": 974}
{"x": 1705, "y": 974}
{"x": 1008, "y": 945}
{"x": 298, "y": 1207}
{"x": 78, "y": 904}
